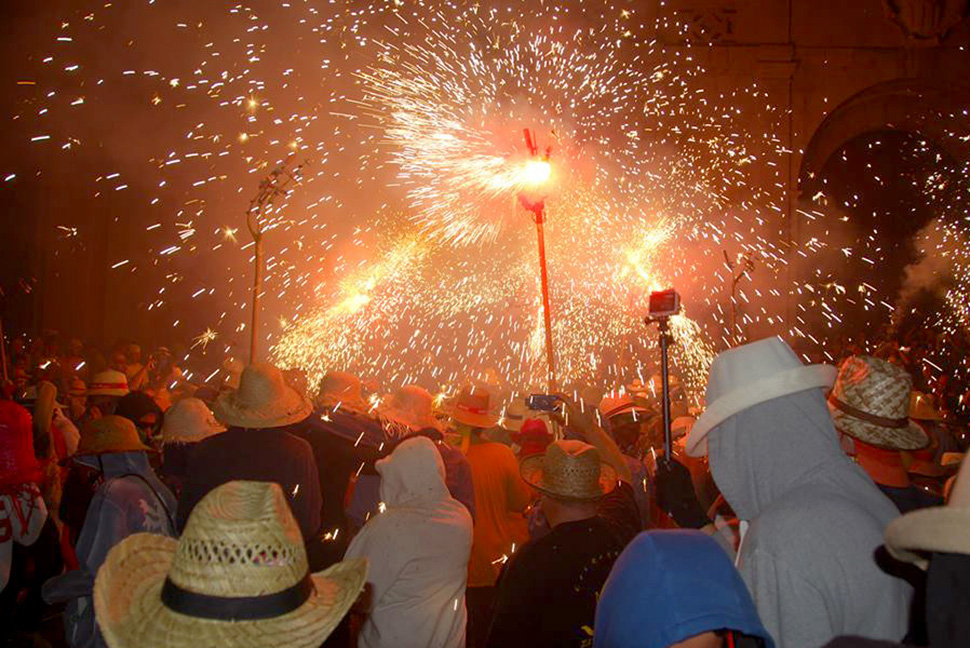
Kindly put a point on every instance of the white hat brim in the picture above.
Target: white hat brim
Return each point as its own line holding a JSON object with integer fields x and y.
{"x": 130, "y": 612}
{"x": 785, "y": 383}
{"x": 940, "y": 529}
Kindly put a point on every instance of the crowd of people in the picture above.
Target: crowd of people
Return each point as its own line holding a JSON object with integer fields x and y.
{"x": 805, "y": 505}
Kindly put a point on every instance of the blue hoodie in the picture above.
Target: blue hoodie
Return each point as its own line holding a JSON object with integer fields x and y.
{"x": 668, "y": 586}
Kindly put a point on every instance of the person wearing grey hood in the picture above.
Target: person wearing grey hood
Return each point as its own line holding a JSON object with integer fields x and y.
{"x": 811, "y": 520}
{"x": 129, "y": 499}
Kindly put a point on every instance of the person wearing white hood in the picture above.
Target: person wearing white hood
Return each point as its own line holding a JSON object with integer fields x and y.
{"x": 417, "y": 551}
{"x": 814, "y": 519}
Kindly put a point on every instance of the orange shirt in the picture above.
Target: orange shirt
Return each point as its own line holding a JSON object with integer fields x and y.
{"x": 500, "y": 498}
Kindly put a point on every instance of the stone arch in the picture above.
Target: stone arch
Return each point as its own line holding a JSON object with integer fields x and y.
{"x": 911, "y": 105}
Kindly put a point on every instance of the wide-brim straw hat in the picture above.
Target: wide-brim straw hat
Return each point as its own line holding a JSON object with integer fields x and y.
{"x": 870, "y": 401}
{"x": 189, "y": 421}
{"x": 109, "y": 382}
{"x": 109, "y": 434}
{"x": 472, "y": 407}
{"x": 343, "y": 390}
{"x": 749, "y": 375}
{"x": 569, "y": 470}
{"x": 263, "y": 400}
{"x": 238, "y": 576}
{"x": 939, "y": 529}
{"x": 617, "y": 402}
{"x": 410, "y": 406}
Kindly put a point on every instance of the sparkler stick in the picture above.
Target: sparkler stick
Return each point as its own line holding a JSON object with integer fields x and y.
{"x": 273, "y": 186}
{"x": 538, "y": 209}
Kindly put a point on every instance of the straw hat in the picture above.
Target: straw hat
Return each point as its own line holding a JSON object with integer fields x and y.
{"x": 515, "y": 415}
{"x": 616, "y": 403}
{"x": 472, "y": 407}
{"x": 939, "y": 529}
{"x": 340, "y": 387}
{"x": 109, "y": 382}
{"x": 238, "y": 577}
{"x": 570, "y": 470}
{"x": 18, "y": 464}
{"x": 410, "y": 406}
{"x": 870, "y": 401}
{"x": 921, "y": 408}
{"x": 263, "y": 400}
{"x": 109, "y": 434}
{"x": 749, "y": 375}
{"x": 189, "y": 421}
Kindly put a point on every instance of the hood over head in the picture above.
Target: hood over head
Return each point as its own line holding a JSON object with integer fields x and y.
{"x": 116, "y": 464}
{"x": 761, "y": 454}
{"x": 413, "y": 476}
{"x": 668, "y": 586}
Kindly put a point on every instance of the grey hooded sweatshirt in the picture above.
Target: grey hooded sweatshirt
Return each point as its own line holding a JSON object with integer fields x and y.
{"x": 815, "y": 521}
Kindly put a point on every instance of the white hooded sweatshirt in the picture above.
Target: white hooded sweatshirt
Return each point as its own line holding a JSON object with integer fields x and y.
{"x": 417, "y": 554}
{"x": 816, "y": 521}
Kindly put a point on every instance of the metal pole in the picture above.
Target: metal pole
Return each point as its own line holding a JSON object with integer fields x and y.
{"x": 550, "y": 356}
{"x": 257, "y": 289}
{"x": 665, "y": 380}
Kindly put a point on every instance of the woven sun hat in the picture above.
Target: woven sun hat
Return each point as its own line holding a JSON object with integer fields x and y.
{"x": 472, "y": 407}
{"x": 189, "y": 421}
{"x": 515, "y": 415}
{"x": 77, "y": 388}
{"x": 749, "y": 375}
{"x": 18, "y": 464}
{"x": 109, "y": 382}
{"x": 109, "y": 434}
{"x": 410, "y": 406}
{"x": 621, "y": 402}
{"x": 339, "y": 388}
{"x": 238, "y": 576}
{"x": 921, "y": 408}
{"x": 570, "y": 470}
{"x": 263, "y": 400}
{"x": 938, "y": 529}
{"x": 870, "y": 402}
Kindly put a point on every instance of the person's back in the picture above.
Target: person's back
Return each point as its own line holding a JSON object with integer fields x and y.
{"x": 417, "y": 552}
{"x": 815, "y": 522}
{"x": 271, "y": 455}
{"x": 500, "y": 498}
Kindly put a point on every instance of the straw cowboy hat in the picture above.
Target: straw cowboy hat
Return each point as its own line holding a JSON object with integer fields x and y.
{"x": 939, "y": 529}
{"x": 870, "y": 402}
{"x": 189, "y": 421}
{"x": 343, "y": 389}
{"x": 570, "y": 470}
{"x": 517, "y": 413}
{"x": 263, "y": 400}
{"x": 921, "y": 408}
{"x": 238, "y": 576}
{"x": 109, "y": 382}
{"x": 18, "y": 464}
{"x": 749, "y": 375}
{"x": 616, "y": 403}
{"x": 109, "y": 434}
{"x": 472, "y": 407}
{"x": 411, "y": 406}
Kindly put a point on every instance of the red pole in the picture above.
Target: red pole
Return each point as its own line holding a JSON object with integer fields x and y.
{"x": 550, "y": 357}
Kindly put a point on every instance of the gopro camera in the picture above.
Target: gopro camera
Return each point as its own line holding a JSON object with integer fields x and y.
{"x": 542, "y": 402}
{"x": 663, "y": 304}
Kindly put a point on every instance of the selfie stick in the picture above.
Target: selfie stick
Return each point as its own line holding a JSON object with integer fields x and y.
{"x": 663, "y": 324}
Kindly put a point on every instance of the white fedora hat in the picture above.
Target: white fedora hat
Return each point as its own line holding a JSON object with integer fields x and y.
{"x": 939, "y": 529}
{"x": 749, "y": 375}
